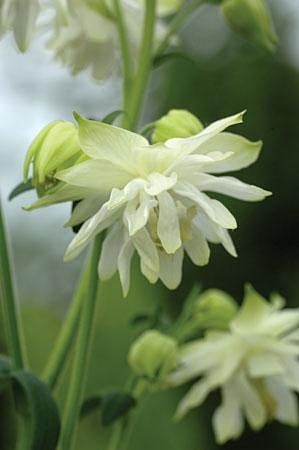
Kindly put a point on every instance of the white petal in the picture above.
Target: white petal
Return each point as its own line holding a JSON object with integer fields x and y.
{"x": 280, "y": 322}
{"x": 111, "y": 249}
{"x": 129, "y": 192}
{"x": 168, "y": 226}
{"x": 100, "y": 175}
{"x": 84, "y": 210}
{"x": 233, "y": 187}
{"x": 228, "y": 420}
{"x": 171, "y": 268}
{"x": 216, "y": 234}
{"x": 146, "y": 250}
{"x": 102, "y": 141}
{"x": 264, "y": 364}
{"x": 243, "y": 152}
{"x": 24, "y": 22}
{"x": 253, "y": 406}
{"x": 191, "y": 144}
{"x": 137, "y": 212}
{"x": 197, "y": 248}
{"x": 194, "y": 397}
{"x": 291, "y": 376}
{"x": 159, "y": 183}
{"x": 124, "y": 265}
{"x": 286, "y": 402}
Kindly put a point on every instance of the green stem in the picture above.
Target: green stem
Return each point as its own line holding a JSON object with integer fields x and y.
{"x": 12, "y": 321}
{"x": 144, "y": 65}
{"x": 81, "y": 356}
{"x": 58, "y": 357}
{"x": 177, "y": 22}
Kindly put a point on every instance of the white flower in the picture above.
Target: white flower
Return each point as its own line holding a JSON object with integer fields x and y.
{"x": 255, "y": 364}
{"x": 156, "y": 201}
{"x": 19, "y": 16}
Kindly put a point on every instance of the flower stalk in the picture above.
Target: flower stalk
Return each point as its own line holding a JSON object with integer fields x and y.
{"x": 12, "y": 320}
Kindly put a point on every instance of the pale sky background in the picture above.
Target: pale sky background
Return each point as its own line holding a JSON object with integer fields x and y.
{"x": 34, "y": 90}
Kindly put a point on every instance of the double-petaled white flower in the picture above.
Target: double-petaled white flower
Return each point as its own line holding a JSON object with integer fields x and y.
{"x": 19, "y": 16}
{"x": 156, "y": 201}
{"x": 255, "y": 364}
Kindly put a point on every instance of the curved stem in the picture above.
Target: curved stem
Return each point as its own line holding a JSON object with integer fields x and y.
{"x": 80, "y": 365}
{"x": 177, "y": 22}
{"x": 58, "y": 357}
{"x": 144, "y": 65}
{"x": 12, "y": 321}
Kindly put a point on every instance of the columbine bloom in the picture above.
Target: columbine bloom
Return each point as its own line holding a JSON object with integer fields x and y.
{"x": 19, "y": 16}
{"x": 255, "y": 364}
{"x": 156, "y": 201}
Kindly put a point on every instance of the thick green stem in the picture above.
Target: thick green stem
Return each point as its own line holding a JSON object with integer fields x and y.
{"x": 144, "y": 65}
{"x": 11, "y": 316}
{"x": 177, "y": 22}
{"x": 81, "y": 357}
{"x": 59, "y": 355}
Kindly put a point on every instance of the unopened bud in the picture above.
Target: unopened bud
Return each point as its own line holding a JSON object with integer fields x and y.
{"x": 177, "y": 123}
{"x": 214, "y": 309}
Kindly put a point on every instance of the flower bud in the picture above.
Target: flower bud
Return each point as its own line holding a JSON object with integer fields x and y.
{"x": 153, "y": 355}
{"x": 252, "y": 20}
{"x": 214, "y": 309}
{"x": 177, "y": 123}
{"x": 55, "y": 148}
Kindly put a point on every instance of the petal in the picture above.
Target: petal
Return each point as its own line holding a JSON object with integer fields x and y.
{"x": 84, "y": 210}
{"x": 197, "y": 248}
{"x": 264, "y": 364}
{"x": 111, "y": 249}
{"x": 233, "y": 187}
{"x": 99, "y": 175}
{"x": 253, "y": 406}
{"x": 168, "y": 226}
{"x": 194, "y": 397}
{"x": 146, "y": 250}
{"x": 216, "y": 234}
{"x": 102, "y": 141}
{"x": 280, "y": 322}
{"x": 291, "y": 376}
{"x": 171, "y": 268}
{"x": 137, "y": 212}
{"x": 243, "y": 152}
{"x": 124, "y": 265}
{"x": 228, "y": 420}
{"x": 286, "y": 410}
{"x": 24, "y": 22}
{"x": 193, "y": 143}
{"x": 159, "y": 183}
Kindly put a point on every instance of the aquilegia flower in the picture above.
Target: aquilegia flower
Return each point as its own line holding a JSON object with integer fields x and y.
{"x": 156, "y": 201}
{"x": 255, "y": 364}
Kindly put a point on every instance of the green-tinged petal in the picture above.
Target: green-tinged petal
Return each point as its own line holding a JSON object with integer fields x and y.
{"x": 193, "y": 143}
{"x": 243, "y": 152}
{"x": 171, "y": 268}
{"x": 280, "y": 322}
{"x": 137, "y": 212}
{"x": 252, "y": 404}
{"x": 264, "y": 364}
{"x": 85, "y": 209}
{"x": 231, "y": 186}
{"x": 99, "y": 175}
{"x": 228, "y": 420}
{"x": 254, "y": 310}
{"x": 111, "y": 249}
{"x": 25, "y": 22}
{"x": 197, "y": 248}
{"x": 159, "y": 183}
{"x": 216, "y": 234}
{"x": 291, "y": 375}
{"x": 146, "y": 249}
{"x": 286, "y": 405}
{"x": 168, "y": 226}
{"x": 194, "y": 397}
{"x": 102, "y": 141}
{"x": 124, "y": 265}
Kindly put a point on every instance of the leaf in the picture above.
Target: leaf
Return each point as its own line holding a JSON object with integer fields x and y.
{"x": 110, "y": 118}
{"x": 36, "y": 407}
{"x": 20, "y": 188}
{"x": 90, "y": 404}
{"x": 116, "y": 405}
{"x": 168, "y": 57}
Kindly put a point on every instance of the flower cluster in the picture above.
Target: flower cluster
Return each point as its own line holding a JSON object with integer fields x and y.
{"x": 152, "y": 198}
{"x": 254, "y": 364}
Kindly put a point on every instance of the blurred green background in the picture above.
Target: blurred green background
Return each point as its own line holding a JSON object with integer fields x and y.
{"x": 223, "y": 76}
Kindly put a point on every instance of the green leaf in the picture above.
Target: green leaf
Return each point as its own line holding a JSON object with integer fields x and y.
{"x": 116, "y": 405}
{"x": 110, "y": 118}
{"x": 36, "y": 407}
{"x": 20, "y": 188}
{"x": 90, "y": 405}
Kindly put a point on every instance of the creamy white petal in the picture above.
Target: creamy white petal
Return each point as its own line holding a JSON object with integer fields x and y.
{"x": 102, "y": 141}
{"x": 129, "y": 192}
{"x": 137, "y": 212}
{"x": 243, "y": 152}
{"x": 171, "y": 268}
{"x": 263, "y": 364}
{"x": 85, "y": 209}
{"x": 25, "y": 22}
{"x": 159, "y": 183}
{"x": 146, "y": 249}
{"x": 216, "y": 234}
{"x": 280, "y": 322}
{"x": 111, "y": 249}
{"x": 100, "y": 175}
{"x": 197, "y": 248}
{"x": 194, "y": 397}
{"x": 286, "y": 410}
{"x": 231, "y": 186}
{"x": 291, "y": 375}
{"x": 228, "y": 422}
{"x": 253, "y": 406}
{"x": 124, "y": 265}
{"x": 168, "y": 226}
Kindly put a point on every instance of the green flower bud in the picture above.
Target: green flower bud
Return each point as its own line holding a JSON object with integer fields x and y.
{"x": 177, "y": 123}
{"x": 252, "y": 20}
{"x": 214, "y": 309}
{"x": 153, "y": 355}
{"x": 55, "y": 148}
